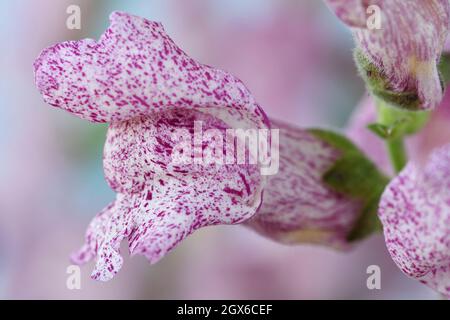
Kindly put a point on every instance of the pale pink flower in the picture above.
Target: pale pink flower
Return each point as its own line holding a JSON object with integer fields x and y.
{"x": 407, "y": 46}
{"x": 137, "y": 79}
{"x": 415, "y": 212}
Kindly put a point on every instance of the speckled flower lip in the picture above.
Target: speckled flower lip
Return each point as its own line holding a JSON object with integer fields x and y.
{"x": 134, "y": 69}
{"x": 407, "y": 47}
{"x": 415, "y": 212}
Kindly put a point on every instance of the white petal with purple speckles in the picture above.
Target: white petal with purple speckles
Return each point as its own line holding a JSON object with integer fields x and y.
{"x": 134, "y": 69}
{"x": 161, "y": 203}
{"x": 137, "y": 79}
{"x": 415, "y": 212}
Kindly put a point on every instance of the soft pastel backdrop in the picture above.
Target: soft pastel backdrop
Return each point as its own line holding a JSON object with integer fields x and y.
{"x": 295, "y": 57}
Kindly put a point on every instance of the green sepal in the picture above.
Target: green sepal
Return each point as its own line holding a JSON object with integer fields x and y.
{"x": 444, "y": 69}
{"x": 393, "y": 123}
{"x": 380, "y": 87}
{"x": 354, "y": 176}
{"x": 377, "y": 83}
{"x": 383, "y": 131}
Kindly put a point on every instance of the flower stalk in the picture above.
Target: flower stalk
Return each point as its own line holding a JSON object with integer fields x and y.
{"x": 395, "y": 145}
{"x": 397, "y": 153}
{"x": 394, "y": 125}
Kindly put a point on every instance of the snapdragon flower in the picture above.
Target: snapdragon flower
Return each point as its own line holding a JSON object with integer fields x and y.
{"x": 404, "y": 51}
{"x": 140, "y": 82}
{"x": 415, "y": 213}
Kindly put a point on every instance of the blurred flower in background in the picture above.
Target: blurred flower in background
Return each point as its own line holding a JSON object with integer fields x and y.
{"x": 295, "y": 57}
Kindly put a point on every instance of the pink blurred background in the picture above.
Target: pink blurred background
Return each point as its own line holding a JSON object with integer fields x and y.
{"x": 295, "y": 57}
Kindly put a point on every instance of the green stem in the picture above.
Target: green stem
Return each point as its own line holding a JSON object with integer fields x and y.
{"x": 404, "y": 122}
{"x": 397, "y": 153}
